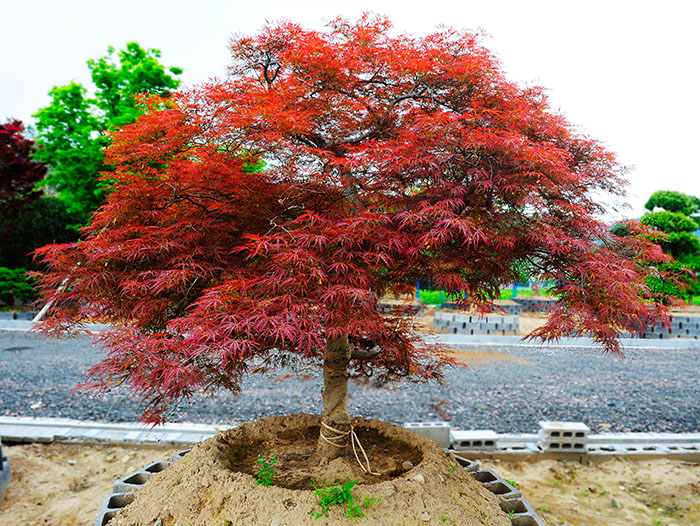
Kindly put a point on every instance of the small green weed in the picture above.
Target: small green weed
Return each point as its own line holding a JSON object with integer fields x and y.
{"x": 513, "y": 483}
{"x": 340, "y": 494}
{"x": 603, "y": 491}
{"x": 446, "y": 519}
{"x": 266, "y": 471}
{"x": 511, "y": 515}
{"x": 543, "y": 509}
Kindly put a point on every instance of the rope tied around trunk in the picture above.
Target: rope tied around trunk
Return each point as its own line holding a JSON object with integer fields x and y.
{"x": 339, "y": 440}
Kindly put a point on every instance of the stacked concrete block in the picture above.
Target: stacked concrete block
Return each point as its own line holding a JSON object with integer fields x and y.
{"x": 477, "y": 440}
{"x": 438, "y": 432}
{"x": 535, "y": 303}
{"x": 563, "y": 437}
{"x": 508, "y": 306}
{"x": 496, "y": 324}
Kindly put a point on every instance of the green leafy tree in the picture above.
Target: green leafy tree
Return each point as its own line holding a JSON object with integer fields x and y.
{"x": 671, "y": 213}
{"x": 71, "y": 143}
{"x": 73, "y": 128}
{"x": 136, "y": 71}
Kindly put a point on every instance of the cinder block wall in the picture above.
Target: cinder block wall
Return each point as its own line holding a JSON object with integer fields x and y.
{"x": 682, "y": 326}
{"x": 535, "y": 304}
{"x": 455, "y": 323}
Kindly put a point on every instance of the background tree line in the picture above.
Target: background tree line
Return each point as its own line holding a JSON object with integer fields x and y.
{"x": 49, "y": 186}
{"x": 53, "y": 178}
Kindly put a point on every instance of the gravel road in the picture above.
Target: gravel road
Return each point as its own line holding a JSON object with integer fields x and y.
{"x": 651, "y": 390}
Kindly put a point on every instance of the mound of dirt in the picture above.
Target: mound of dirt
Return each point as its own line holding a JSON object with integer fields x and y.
{"x": 416, "y": 482}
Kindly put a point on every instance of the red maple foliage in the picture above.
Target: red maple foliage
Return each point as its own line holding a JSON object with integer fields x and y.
{"x": 19, "y": 173}
{"x": 387, "y": 160}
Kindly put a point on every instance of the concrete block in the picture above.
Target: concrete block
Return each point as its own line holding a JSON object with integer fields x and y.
{"x": 566, "y": 430}
{"x": 495, "y": 484}
{"x": 4, "y": 472}
{"x": 563, "y": 437}
{"x": 178, "y": 455}
{"x": 523, "y": 513}
{"x": 136, "y": 480}
{"x": 469, "y": 465}
{"x": 111, "y": 504}
{"x": 480, "y": 439}
{"x": 438, "y": 432}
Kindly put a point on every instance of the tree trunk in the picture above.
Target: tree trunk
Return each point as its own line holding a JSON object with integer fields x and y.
{"x": 335, "y": 400}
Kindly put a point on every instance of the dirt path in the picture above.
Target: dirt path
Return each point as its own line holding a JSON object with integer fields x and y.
{"x": 60, "y": 485}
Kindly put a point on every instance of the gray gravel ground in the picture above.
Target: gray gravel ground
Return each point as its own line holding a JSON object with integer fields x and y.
{"x": 651, "y": 390}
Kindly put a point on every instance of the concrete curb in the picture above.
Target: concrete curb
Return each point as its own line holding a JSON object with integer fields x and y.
{"x": 62, "y": 430}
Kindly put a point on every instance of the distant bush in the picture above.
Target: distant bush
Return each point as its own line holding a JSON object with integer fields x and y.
{"x": 16, "y": 286}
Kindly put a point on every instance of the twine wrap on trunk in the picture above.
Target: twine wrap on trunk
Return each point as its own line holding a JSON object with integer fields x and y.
{"x": 339, "y": 440}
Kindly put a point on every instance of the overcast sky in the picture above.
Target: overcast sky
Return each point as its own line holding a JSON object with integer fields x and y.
{"x": 624, "y": 72}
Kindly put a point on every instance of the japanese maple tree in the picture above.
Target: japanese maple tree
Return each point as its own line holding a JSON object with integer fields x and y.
{"x": 257, "y": 221}
{"x": 19, "y": 173}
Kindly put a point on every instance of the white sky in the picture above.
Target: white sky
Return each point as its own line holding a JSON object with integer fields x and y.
{"x": 624, "y": 72}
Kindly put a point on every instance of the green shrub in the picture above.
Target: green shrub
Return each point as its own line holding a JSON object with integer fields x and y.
{"x": 16, "y": 285}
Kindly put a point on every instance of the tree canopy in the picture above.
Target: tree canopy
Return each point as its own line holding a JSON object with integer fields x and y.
{"x": 388, "y": 160}
{"x": 72, "y": 128}
{"x": 670, "y": 213}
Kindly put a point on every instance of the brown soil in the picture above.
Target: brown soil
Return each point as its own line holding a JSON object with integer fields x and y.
{"x": 64, "y": 484}
{"x": 615, "y": 492}
{"x": 477, "y": 357}
{"x": 215, "y": 483}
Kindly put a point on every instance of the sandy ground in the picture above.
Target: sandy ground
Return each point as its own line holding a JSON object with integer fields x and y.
{"x": 54, "y": 484}
{"x": 63, "y": 485}
{"x": 615, "y": 492}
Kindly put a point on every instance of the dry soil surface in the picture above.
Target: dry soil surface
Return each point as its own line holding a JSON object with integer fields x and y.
{"x": 61, "y": 485}
{"x": 615, "y": 492}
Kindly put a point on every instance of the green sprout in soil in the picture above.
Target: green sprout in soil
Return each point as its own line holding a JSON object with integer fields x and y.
{"x": 266, "y": 471}
{"x": 341, "y": 495}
